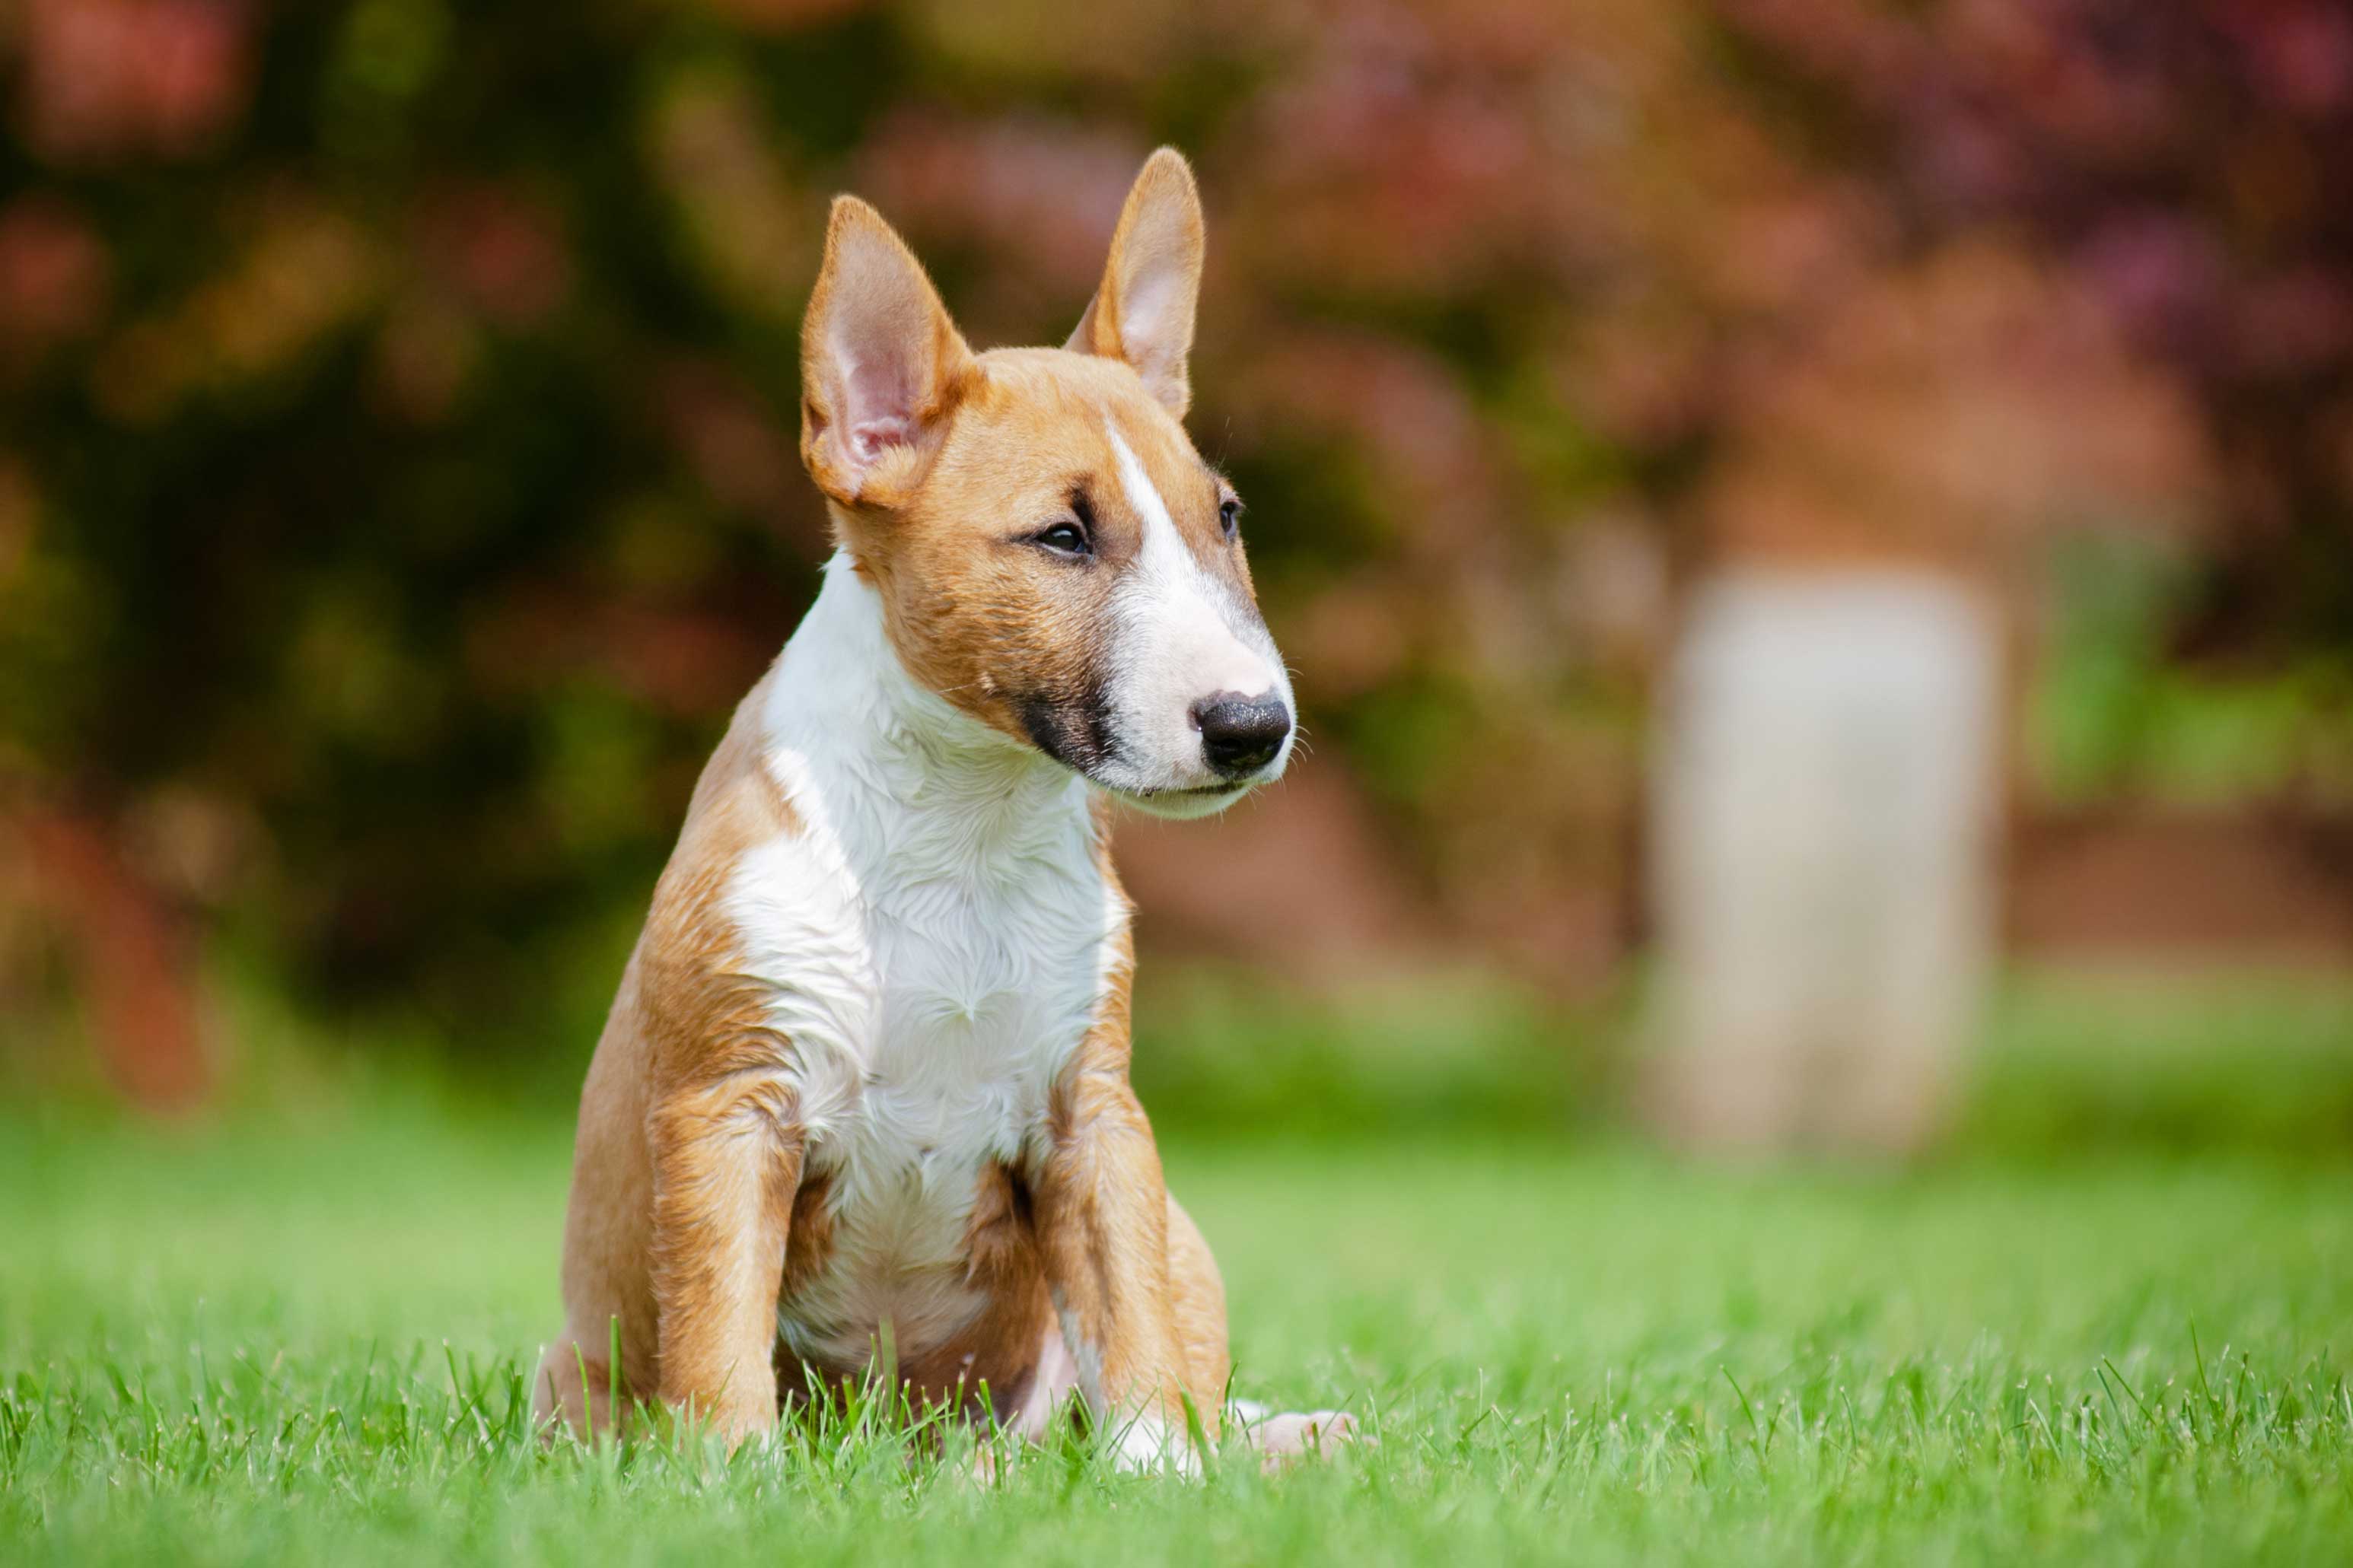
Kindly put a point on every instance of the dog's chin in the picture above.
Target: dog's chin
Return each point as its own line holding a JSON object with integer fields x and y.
{"x": 1181, "y": 804}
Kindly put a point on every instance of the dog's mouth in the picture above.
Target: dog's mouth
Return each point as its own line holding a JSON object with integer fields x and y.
{"x": 1173, "y": 801}
{"x": 1231, "y": 786}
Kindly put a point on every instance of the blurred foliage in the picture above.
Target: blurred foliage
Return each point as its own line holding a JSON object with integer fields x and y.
{"x": 2114, "y": 714}
{"x": 2073, "y": 1063}
{"x": 2252, "y": 1063}
{"x": 397, "y": 478}
{"x": 1221, "y": 1054}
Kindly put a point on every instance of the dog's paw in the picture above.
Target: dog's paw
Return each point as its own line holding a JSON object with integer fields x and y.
{"x": 1283, "y": 1440}
{"x": 1147, "y": 1445}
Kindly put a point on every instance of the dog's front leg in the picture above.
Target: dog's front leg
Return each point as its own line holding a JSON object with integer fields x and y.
{"x": 727, "y": 1162}
{"x": 1102, "y": 1222}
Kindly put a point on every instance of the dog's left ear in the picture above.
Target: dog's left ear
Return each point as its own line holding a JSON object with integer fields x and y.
{"x": 1143, "y": 310}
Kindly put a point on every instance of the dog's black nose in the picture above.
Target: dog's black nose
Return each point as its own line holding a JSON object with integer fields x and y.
{"x": 1242, "y": 735}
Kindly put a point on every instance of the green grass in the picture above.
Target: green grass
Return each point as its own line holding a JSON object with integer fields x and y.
{"x": 2111, "y": 1321}
{"x": 303, "y": 1340}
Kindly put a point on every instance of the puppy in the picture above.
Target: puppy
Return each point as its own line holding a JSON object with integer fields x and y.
{"x": 865, "y": 1082}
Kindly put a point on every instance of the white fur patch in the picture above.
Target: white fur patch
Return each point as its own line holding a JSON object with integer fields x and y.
{"x": 1182, "y": 636}
{"x": 1146, "y": 1443}
{"x": 935, "y": 942}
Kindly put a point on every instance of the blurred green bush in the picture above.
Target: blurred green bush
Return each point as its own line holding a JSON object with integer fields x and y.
{"x": 398, "y": 475}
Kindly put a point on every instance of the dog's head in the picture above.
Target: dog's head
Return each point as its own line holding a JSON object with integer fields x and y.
{"x": 1052, "y": 555}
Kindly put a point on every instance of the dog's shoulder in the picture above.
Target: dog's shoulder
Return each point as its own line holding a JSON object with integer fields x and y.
{"x": 695, "y": 997}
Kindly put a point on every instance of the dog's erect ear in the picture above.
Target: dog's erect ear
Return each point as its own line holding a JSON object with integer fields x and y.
{"x": 882, "y": 365}
{"x": 1142, "y": 311}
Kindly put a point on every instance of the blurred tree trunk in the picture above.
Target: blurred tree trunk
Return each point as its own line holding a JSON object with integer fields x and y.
{"x": 1824, "y": 848}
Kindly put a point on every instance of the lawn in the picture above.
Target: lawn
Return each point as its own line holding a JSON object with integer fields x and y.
{"x": 299, "y": 1334}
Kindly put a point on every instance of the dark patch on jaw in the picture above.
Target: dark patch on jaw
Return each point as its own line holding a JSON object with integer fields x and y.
{"x": 1073, "y": 726}
{"x": 1025, "y": 1207}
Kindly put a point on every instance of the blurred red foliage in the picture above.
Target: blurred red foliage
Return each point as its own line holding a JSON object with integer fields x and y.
{"x": 54, "y": 276}
{"x": 404, "y": 394}
{"x": 108, "y": 77}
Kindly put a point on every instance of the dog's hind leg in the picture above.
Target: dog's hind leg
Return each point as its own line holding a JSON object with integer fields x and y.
{"x": 1199, "y": 1295}
{"x": 576, "y": 1384}
{"x": 1197, "y": 1303}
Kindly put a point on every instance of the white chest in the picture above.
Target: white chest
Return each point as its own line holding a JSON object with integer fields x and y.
{"x": 932, "y": 960}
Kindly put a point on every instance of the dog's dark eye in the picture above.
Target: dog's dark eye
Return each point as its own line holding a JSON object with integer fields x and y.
{"x": 1229, "y": 516}
{"x": 1063, "y": 539}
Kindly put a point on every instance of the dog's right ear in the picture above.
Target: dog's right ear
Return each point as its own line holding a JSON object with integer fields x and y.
{"x": 882, "y": 365}
{"x": 1143, "y": 310}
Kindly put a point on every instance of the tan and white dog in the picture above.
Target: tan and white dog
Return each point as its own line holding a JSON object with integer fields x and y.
{"x": 866, "y": 1079}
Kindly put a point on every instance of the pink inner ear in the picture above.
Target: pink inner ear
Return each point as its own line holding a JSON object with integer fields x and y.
{"x": 1146, "y": 309}
{"x": 868, "y": 437}
{"x": 879, "y": 409}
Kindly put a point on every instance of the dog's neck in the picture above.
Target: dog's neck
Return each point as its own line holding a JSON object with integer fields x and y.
{"x": 905, "y": 780}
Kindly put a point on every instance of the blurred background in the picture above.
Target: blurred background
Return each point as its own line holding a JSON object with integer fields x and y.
{"x": 1812, "y": 534}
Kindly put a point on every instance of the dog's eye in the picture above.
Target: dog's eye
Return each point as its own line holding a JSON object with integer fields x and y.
{"x": 1229, "y": 516}
{"x": 1063, "y": 539}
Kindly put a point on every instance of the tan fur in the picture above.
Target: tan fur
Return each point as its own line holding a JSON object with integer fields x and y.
{"x": 687, "y": 1161}
{"x": 690, "y": 1221}
{"x": 1103, "y": 1217}
{"x": 1197, "y": 1305}
{"x": 981, "y": 625}
{"x": 1159, "y": 234}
